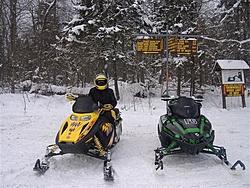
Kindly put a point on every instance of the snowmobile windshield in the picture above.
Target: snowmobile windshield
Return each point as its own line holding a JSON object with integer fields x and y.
{"x": 185, "y": 108}
{"x": 84, "y": 104}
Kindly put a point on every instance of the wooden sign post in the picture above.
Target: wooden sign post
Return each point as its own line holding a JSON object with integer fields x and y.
{"x": 233, "y": 82}
{"x": 172, "y": 44}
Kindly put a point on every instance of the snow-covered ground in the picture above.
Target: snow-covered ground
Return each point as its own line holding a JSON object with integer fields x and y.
{"x": 29, "y": 123}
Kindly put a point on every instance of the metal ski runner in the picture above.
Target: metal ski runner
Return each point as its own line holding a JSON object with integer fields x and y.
{"x": 107, "y": 168}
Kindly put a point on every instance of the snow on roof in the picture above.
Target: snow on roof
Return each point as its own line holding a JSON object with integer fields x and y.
{"x": 230, "y": 64}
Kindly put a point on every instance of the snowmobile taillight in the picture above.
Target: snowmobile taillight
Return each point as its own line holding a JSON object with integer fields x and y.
{"x": 85, "y": 118}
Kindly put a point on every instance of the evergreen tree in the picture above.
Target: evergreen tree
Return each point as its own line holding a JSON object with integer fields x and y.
{"x": 104, "y": 31}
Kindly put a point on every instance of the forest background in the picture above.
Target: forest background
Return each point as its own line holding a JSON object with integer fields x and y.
{"x": 65, "y": 43}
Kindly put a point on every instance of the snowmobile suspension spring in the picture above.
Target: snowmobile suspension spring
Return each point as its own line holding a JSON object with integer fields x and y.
{"x": 99, "y": 146}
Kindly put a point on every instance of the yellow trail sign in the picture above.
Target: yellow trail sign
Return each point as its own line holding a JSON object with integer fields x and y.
{"x": 150, "y": 46}
{"x": 182, "y": 46}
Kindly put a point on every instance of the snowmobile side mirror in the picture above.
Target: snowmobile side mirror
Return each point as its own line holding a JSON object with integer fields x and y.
{"x": 198, "y": 98}
{"x": 71, "y": 96}
{"x": 167, "y": 98}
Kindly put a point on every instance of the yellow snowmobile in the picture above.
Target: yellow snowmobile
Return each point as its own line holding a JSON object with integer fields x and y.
{"x": 85, "y": 131}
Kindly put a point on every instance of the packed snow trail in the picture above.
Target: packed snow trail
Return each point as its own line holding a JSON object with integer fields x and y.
{"x": 26, "y": 133}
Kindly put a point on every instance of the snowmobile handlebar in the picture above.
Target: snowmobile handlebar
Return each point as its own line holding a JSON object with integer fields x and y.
{"x": 71, "y": 97}
{"x": 168, "y": 98}
{"x": 198, "y": 98}
{"x": 105, "y": 107}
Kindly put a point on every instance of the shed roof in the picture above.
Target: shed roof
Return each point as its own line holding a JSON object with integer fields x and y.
{"x": 230, "y": 64}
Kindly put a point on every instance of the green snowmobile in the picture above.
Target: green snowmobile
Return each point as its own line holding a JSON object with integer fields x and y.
{"x": 183, "y": 129}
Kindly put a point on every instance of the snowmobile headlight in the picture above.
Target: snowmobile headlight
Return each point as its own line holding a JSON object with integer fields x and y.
{"x": 85, "y": 118}
{"x": 73, "y": 118}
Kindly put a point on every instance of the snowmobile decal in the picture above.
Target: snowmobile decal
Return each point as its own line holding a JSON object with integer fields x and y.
{"x": 190, "y": 121}
{"x": 75, "y": 124}
{"x": 186, "y": 131}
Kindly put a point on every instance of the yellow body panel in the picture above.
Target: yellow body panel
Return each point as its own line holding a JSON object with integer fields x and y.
{"x": 73, "y": 131}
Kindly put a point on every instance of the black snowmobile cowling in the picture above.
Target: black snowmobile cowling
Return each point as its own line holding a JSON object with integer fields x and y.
{"x": 183, "y": 129}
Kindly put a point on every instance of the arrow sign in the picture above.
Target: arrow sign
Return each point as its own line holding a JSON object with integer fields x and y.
{"x": 150, "y": 52}
{"x": 150, "y": 46}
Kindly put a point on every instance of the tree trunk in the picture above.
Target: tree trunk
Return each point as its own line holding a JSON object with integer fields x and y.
{"x": 192, "y": 88}
{"x": 142, "y": 78}
{"x": 116, "y": 82}
{"x": 178, "y": 81}
{"x": 3, "y": 42}
{"x": 13, "y": 37}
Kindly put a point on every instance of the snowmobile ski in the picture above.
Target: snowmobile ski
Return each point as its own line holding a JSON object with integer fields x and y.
{"x": 107, "y": 168}
{"x": 221, "y": 154}
{"x": 221, "y": 158}
{"x": 233, "y": 169}
{"x": 108, "y": 173}
{"x": 41, "y": 167}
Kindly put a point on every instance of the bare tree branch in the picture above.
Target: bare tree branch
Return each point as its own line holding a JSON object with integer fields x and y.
{"x": 51, "y": 5}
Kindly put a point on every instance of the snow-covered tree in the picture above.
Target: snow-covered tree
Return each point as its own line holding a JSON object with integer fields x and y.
{"x": 104, "y": 31}
{"x": 43, "y": 41}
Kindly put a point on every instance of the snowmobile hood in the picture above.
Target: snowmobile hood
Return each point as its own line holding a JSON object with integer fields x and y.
{"x": 187, "y": 130}
{"x": 77, "y": 126}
